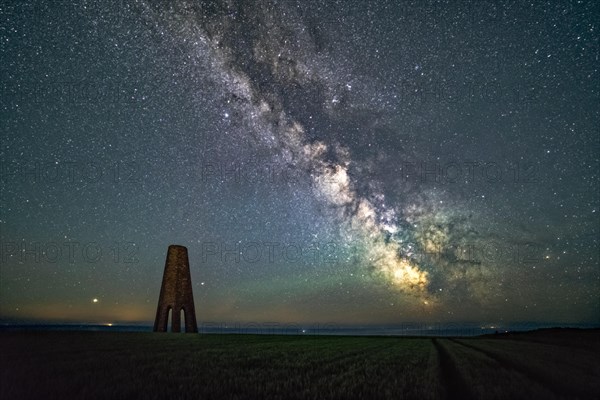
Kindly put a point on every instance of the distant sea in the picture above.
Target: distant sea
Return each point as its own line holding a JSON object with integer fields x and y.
{"x": 415, "y": 329}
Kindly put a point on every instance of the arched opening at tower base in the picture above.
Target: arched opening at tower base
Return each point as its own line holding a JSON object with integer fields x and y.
{"x": 176, "y": 301}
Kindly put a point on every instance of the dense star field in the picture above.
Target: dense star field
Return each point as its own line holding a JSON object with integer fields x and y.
{"x": 345, "y": 162}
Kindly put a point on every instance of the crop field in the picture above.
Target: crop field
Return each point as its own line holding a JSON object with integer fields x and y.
{"x": 103, "y": 365}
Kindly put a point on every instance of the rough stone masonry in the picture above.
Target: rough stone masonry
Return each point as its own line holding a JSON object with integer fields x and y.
{"x": 176, "y": 293}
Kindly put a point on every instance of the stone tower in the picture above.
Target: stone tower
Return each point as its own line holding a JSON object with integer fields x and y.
{"x": 176, "y": 293}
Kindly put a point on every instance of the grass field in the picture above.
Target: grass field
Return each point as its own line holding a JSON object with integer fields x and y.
{"x": 106, "y": 365}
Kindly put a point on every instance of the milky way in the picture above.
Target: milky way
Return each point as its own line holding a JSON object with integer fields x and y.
{"x": 339, "y": 162}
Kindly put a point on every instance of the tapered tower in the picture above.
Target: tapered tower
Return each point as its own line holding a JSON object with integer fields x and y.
{"x": 176, "y": 293}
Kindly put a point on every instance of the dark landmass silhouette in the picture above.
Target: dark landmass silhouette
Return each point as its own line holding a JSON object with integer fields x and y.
{"x": 547, "y": 363}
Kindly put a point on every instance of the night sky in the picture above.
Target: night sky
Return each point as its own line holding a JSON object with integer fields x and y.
{"x": 349, "y": 161}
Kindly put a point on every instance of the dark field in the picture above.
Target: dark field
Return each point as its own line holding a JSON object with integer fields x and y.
{"x": 89, "y": 365}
